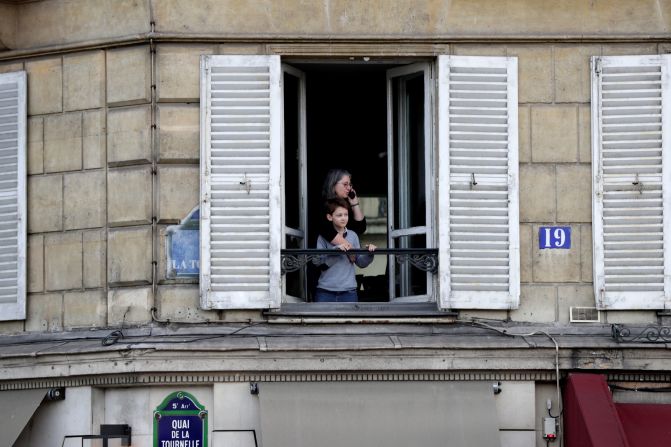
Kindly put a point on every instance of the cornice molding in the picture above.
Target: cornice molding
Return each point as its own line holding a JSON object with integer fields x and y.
{"x": 126, "y": 380}
{"x": 305, "y": 45}
{"x": 198, "y": 379}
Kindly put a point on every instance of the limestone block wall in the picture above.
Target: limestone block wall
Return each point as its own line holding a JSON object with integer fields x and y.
{"x": 8, "y": 15}
{"x": 46, "y": 23}
{"x": 555, "y": 177}
{"x": 112, "y": 159}
{"x": 113, "y": 153}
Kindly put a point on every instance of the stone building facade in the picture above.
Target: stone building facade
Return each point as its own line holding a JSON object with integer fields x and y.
{"x": 113, "y": 150}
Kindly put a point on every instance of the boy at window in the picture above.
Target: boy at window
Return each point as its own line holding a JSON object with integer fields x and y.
{"x": 337, "y": 281}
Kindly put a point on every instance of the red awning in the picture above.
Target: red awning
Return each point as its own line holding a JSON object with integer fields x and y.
{"x": 646, "y": 425}
{"x": 592, "y": 419}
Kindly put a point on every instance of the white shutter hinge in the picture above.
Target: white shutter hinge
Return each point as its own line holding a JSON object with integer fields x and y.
{"x": 599, "y": 191}
{"x": 597, "y": 67}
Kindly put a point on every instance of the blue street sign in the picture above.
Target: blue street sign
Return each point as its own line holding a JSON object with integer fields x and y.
{"x": 180, "y": 421}
{"x": 183, "y": 247}
{"x": 183, "y": 253}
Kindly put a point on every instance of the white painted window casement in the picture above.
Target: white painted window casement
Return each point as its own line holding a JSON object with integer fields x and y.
{"x": 631, "y": 127}
{"x": 452, "y": 173}
{"x": 478, "y": 183}
{"x": 631, "y": 130}
{"x": 13, "y": 196}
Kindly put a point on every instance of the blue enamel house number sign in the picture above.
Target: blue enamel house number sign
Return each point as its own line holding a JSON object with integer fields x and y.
{"x": 554, "y": 237}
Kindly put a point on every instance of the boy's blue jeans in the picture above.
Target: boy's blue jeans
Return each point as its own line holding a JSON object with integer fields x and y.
{"x": 330, "y": 296}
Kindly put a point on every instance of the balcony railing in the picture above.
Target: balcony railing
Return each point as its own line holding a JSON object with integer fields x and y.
{"x": 425, "y": 259}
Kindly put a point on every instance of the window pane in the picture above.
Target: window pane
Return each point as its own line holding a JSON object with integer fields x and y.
{"x": 291, "y": 151}
{"x": 295, "y": 281}
{"x": 409, "y": 194}
{"x": 410, "y": 280}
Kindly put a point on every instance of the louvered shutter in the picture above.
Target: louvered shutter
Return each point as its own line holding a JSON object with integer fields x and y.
{"x": 13, "y": 196}
{"x": 241, "y": 116}
{"x": 630, "y": 162}
{"x": 478, "y": 182}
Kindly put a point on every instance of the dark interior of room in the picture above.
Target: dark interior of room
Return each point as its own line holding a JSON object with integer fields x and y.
{"x": 346, "y": 128}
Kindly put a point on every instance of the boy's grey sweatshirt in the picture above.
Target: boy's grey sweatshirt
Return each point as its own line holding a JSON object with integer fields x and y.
{"x": 340, "y": 274}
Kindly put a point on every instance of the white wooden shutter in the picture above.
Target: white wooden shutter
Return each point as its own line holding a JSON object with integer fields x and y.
{"x": 630, "y": 163}
{"x": 13, "y": 196}
{"x": 478, "y": 182}
{"x": 241, "y": 125}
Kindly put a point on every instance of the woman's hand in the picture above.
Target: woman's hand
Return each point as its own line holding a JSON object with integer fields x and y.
{"x": 371, "y": 247}
{"x": 355, "y": 205}
{"x": 352, "y": 198}
{"x": 340, "y": 241}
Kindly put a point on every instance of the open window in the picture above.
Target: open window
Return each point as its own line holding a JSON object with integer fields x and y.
{"x": 431, "y": 145}
{"x": 410, "y": 164}
{"x": 295, "y": 284}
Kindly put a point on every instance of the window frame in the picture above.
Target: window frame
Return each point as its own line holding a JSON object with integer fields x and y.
{"x": 397, "y": 145}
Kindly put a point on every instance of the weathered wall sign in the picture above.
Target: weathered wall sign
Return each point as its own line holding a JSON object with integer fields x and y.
{"x": 183, "y": 247}
{"x": 180, "y": 421}
{"x": 554, "y": 237}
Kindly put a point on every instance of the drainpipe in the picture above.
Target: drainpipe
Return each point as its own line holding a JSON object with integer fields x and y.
{"x": 155, "y": 236}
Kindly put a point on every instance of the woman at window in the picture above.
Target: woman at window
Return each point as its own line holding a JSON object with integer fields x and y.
{"x": 338, "y": 184}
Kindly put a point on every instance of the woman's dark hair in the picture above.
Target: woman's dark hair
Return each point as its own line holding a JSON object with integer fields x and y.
{"x": 332, "y": 204}
{"x": 332, "y": 177}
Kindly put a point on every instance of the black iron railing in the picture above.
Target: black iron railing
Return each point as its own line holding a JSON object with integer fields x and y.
{"x": 649, "y": 334}
{"x": 425, "y": 259}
